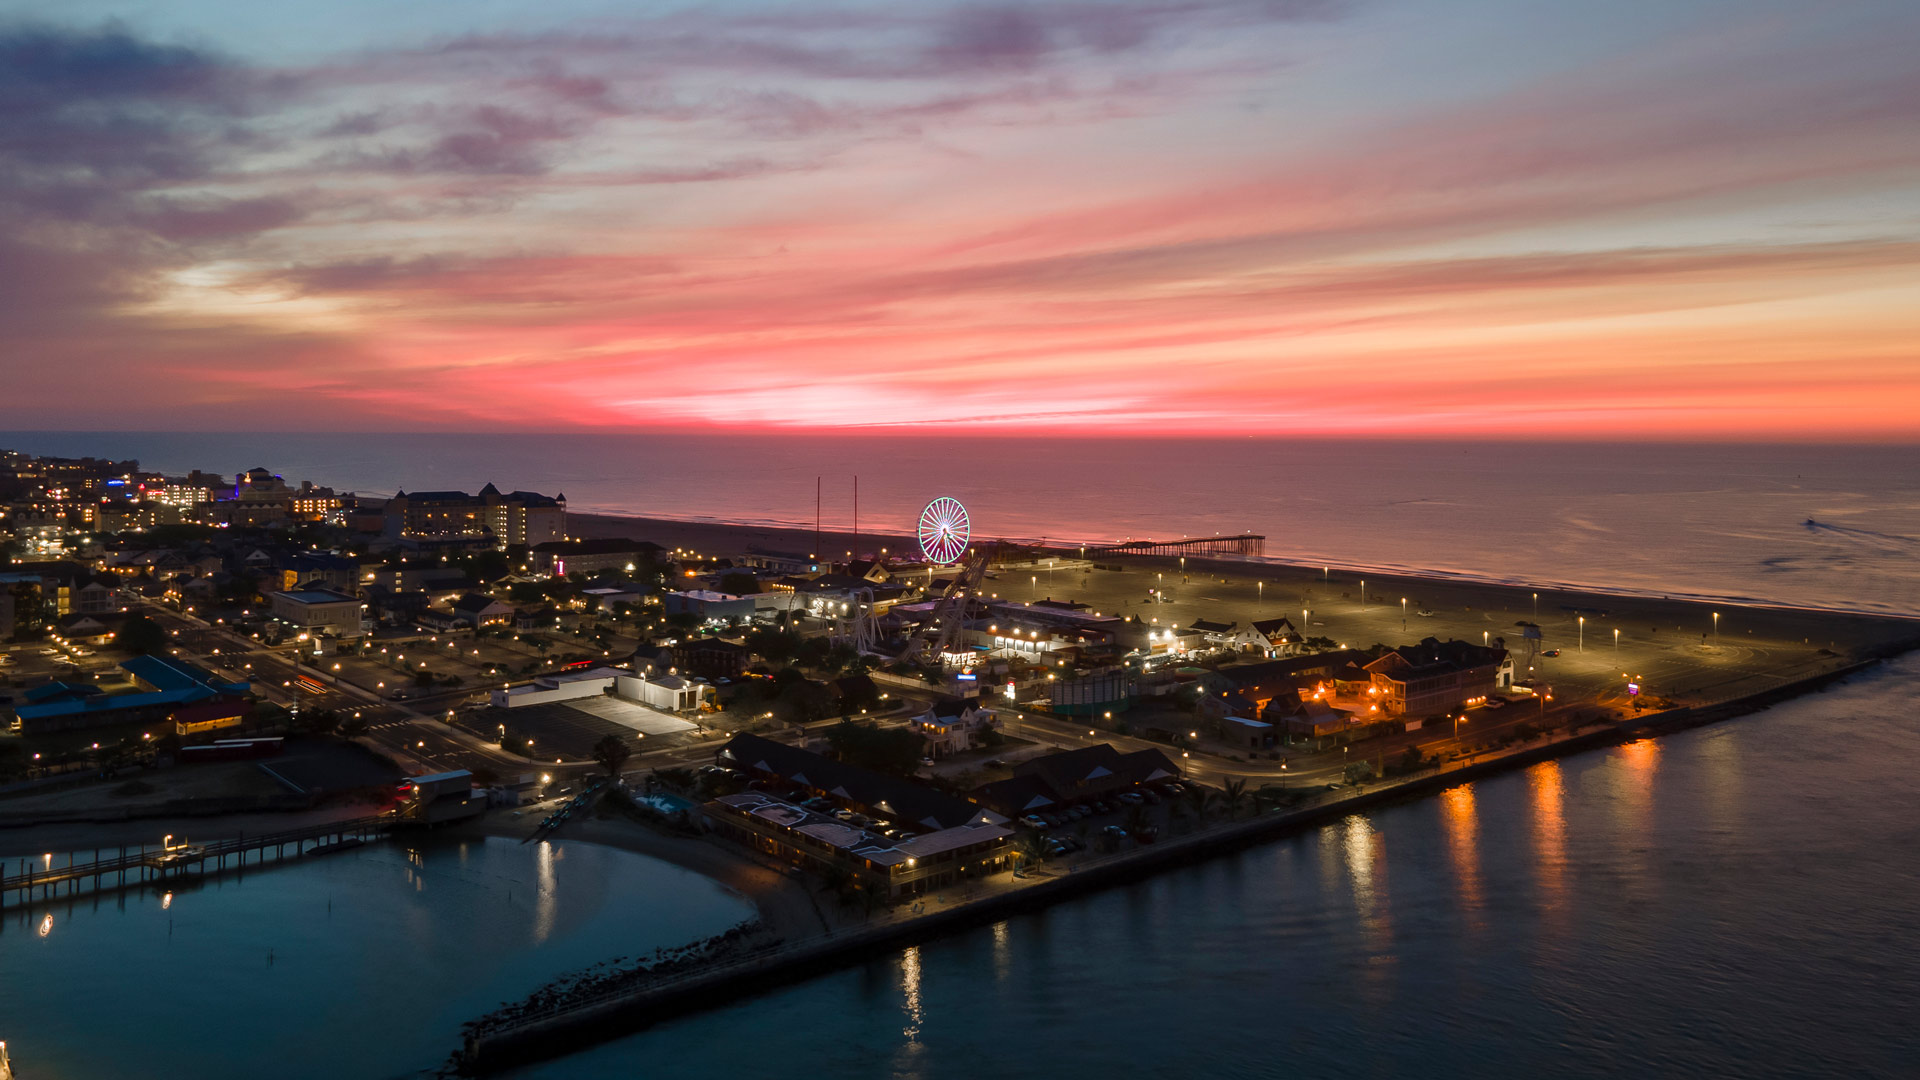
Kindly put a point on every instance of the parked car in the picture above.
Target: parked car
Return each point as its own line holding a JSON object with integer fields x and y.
{"x": 1149, "y": 796}
{"x": 1495, "y": 703}
{"x": 1551, "y": 652}
{"x": 1115, "y": 831}
{"x": 1034, "y": 821}
{"x": 927, "y": 761}
{"x": 1130, "y": 798}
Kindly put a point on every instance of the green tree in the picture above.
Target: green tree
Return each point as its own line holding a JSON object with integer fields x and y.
{"x": 739, "y": 584}
{"x": 142, "y": 636}
{"x": 612, "y": 752}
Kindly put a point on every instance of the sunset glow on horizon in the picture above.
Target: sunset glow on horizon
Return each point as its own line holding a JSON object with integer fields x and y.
{"x": 1294, "y": 218}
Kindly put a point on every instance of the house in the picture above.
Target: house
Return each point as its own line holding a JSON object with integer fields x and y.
{"x": 1436, "y": 677}
{"x": 1281, "y": 636}
{"x": 1088, "y": 773}
{"x": 1262, "y": 682}
{"x": 952, "y": 725}
{"x": 478, "y": 610}
{"x": 89, "y": 628}
{"x": 1244, "y": 734}
{"x": 716, "y": 658}
{"x": 1306, "y": 717}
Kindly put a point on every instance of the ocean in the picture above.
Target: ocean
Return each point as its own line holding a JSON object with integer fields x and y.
{"x": 1821, "y": 526}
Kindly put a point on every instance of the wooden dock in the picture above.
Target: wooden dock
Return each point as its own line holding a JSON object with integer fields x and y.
{"x": 37, "y": 880}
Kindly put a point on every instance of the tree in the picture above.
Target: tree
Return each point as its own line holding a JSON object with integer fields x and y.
{"x": 1235, "y": 796}
{"x": 776, "y": 646}
{"x": 142, "y": 635}
{"x": 739, "y": 584}
{"x": 1200, "y": 801}
{"x": 612, "y": 752}
{"x": 890, "y": 750}
{"x": 1030, "y": 850}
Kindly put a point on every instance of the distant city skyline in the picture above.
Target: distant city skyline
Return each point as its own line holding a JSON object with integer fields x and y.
{"x": 1293, "y": 218}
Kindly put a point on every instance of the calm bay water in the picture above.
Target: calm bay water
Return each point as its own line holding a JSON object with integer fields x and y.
{"x": 1737, "y": 901}
{"x": 1696, "y": 519}
{"x": 377, "y": 957}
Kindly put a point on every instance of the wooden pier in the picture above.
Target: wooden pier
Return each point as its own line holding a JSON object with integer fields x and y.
{"x": 1246, "y": 544}
{"x": 37, "y": 880}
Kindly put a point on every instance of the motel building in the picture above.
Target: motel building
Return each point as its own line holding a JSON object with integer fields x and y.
{"x": 895, "y": 869}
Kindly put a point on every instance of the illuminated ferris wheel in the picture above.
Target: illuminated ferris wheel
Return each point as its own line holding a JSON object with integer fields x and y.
{"x": 944, "y": 531}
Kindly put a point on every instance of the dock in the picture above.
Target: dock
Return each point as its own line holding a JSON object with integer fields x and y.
{"x": 143, "y": 865}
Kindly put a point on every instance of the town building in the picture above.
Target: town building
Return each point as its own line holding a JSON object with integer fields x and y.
{"x": 893, "y": 868}
{"x": 320, "y": 612}
{"x": 952, "y": 725}
{"x": 709, "y": 606}
{"x": 517, "y": 517}
{"x": 563, "y": 557}
{"x": 161, "y": 683}
{"x": 1071, "y": 776}
{"x": 478, "y": 610}
{"x": 1436, "y": 677}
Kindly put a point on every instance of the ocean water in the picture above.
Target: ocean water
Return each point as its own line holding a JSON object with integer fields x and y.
{"x": 1737, "y": 901}
{"x": 362, "y": 964}
{"x": 1804, "y": 525}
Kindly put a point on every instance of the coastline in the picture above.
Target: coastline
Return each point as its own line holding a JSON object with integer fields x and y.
{"x": 616, "y": 1015}
{"x": 736, "y": 537}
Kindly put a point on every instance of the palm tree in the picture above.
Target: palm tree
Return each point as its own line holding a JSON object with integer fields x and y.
{"x": 1235, "y": 796}
{"x": 1137, "y": 821}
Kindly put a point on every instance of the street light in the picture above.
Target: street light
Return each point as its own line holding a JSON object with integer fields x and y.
{"x": 1716, "y": 628}
{"x": 1616, "y": 641}
{"x": 1403, "y": 614}
{"x": 1583, "y": 633}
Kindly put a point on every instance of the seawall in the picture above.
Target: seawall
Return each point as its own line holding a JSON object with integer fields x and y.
{"x": 564, "y": 1032}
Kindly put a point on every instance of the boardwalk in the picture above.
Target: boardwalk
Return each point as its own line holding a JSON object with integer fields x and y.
{"x": 34, "y": 880}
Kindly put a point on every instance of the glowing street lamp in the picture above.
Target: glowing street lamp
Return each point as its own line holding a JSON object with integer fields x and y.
{"x": 1583, "y": 633}
{"x": 1716, "y": 628}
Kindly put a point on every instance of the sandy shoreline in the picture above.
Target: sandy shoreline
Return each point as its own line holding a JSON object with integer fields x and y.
{"x": 731, "y": 539}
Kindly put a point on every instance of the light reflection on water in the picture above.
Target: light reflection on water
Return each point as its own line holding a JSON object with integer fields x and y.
{"x": 1457, "y": 813}
{"x": 1752, "y": 964}
{"x": 374, "y": 969}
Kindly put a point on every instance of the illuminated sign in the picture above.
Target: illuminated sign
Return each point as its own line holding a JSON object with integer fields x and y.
{"x": 1633, "y": 688}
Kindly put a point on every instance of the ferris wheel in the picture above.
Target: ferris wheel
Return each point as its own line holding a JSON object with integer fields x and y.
{"x": 944, "y": 531}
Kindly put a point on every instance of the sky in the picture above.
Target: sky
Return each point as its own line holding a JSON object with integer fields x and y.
{"x": 1683, "y": 219}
